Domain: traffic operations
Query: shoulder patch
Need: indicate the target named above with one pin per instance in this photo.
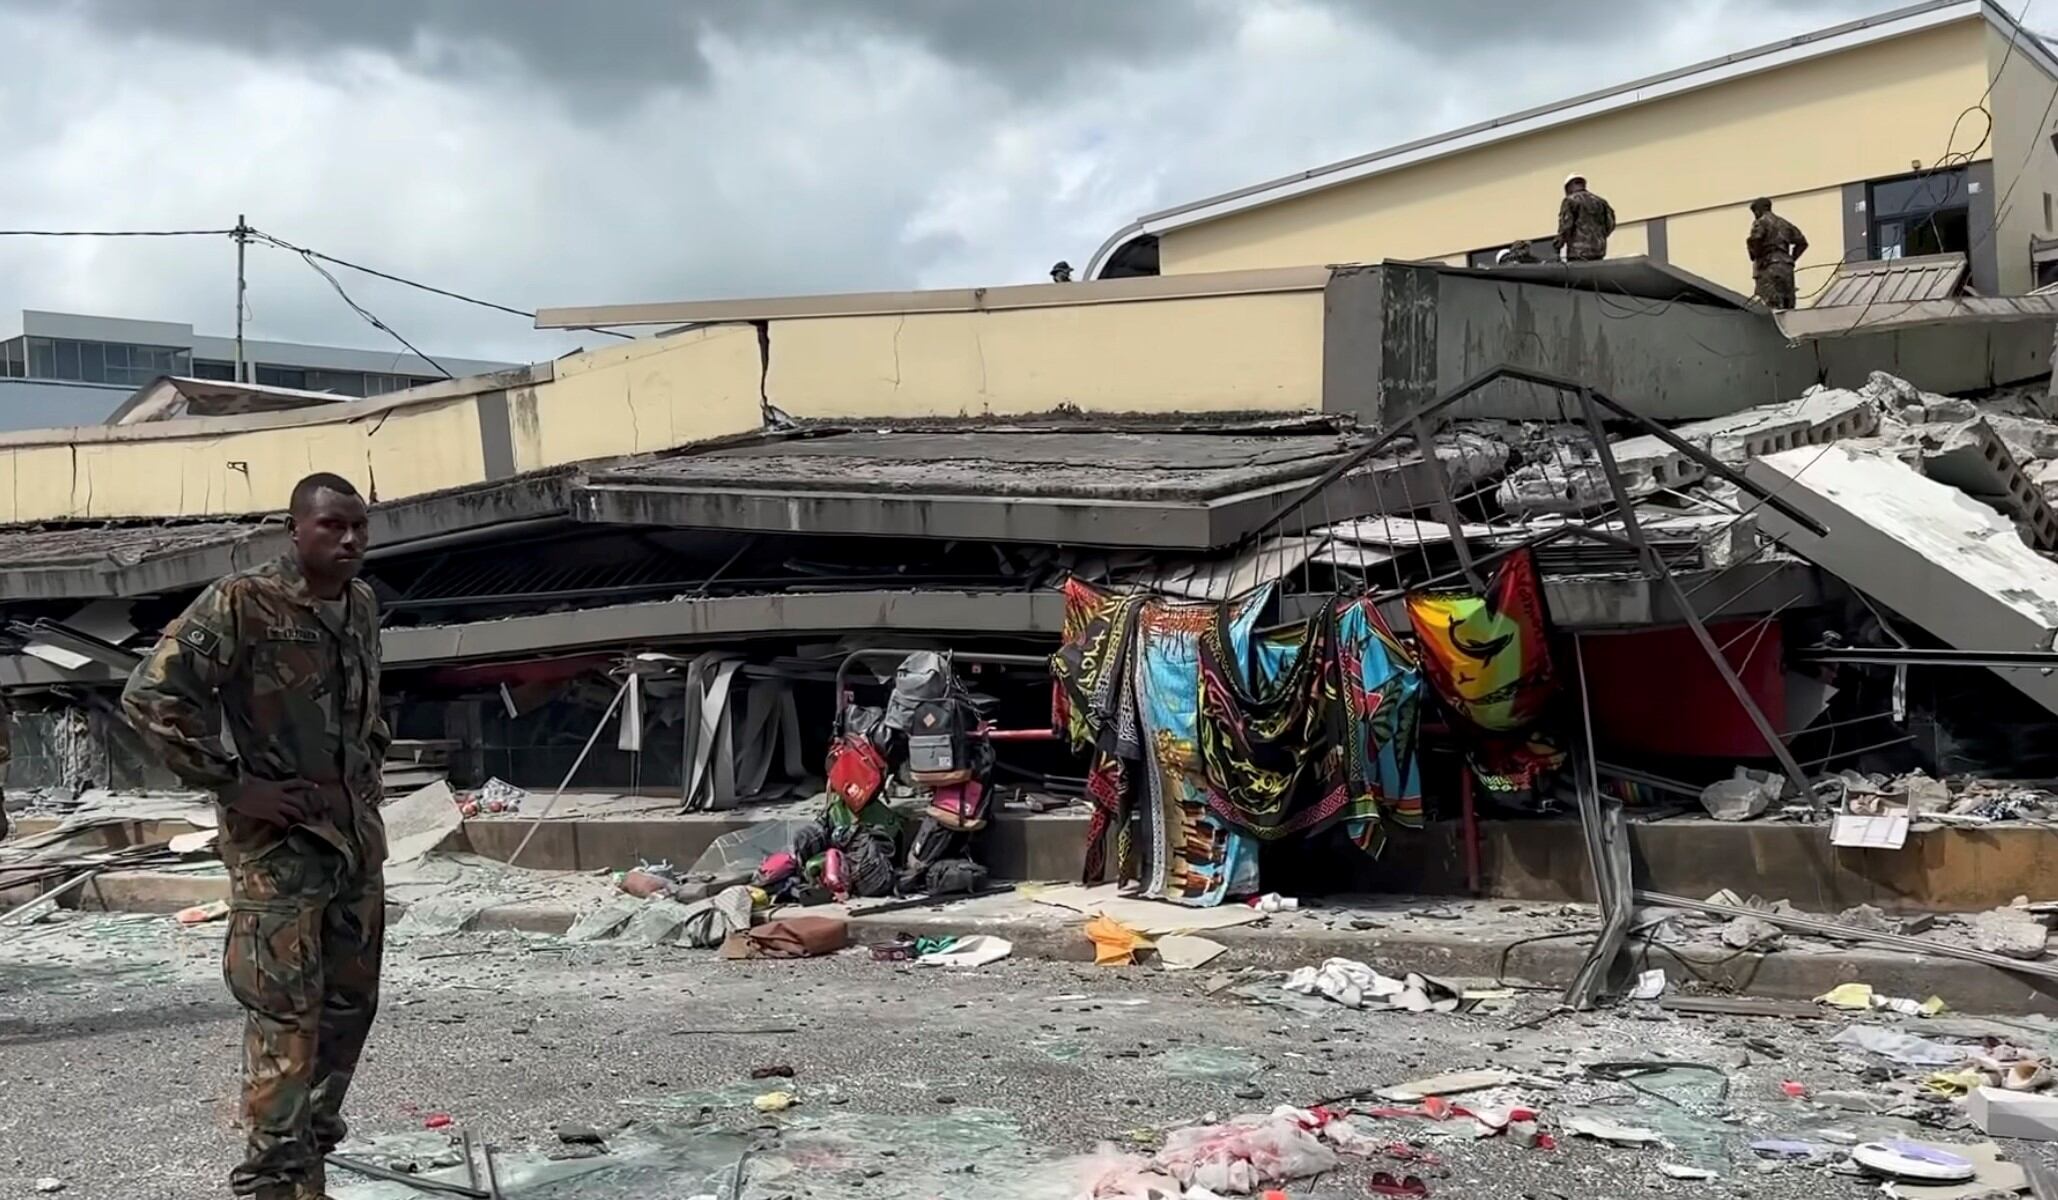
(203, 639)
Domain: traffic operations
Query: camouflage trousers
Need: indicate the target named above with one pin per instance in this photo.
(306, 934)
(1773, 285)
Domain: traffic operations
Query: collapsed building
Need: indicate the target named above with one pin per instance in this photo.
(735, 530)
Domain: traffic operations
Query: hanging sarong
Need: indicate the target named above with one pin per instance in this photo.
(1270, 735)
(1487, 654)
(1093, 699)
(1188, 854)
(1382, 698)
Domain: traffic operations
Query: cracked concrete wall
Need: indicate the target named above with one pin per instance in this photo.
(651, 394)
(1230, 353)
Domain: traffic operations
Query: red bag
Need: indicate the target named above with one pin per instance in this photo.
(856, 770)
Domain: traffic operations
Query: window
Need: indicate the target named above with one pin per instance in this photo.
(287, 377)
(1920, 214)
(209, 368)
(103, 362)
(14, 358)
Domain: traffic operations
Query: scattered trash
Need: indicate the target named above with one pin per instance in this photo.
(1611, 1131)
(1185, 951)
(1248, 1151)
(49, 1183)
(1859, 997)
(773, 1102)
(1901, 1047)
(1353, 984)
(1678, 1171)
(780, 1071)
(1914, 1161)
(976, 951)
(1385, 1184)
(1793, 1089)
(1114, 944)
(200, 914)
(1455, 1084)
(436, 1120)
(1272, 902)
(2000, 1113)
(1649, 986)
(793, 937)
(580, 1135)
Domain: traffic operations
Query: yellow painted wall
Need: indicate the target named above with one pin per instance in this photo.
(2025, 166)
(1258, 351)
(652, 394)
(1710, 243)
(1860, 114)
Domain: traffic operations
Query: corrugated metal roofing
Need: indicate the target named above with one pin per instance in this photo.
(1804, 323)
(1895, 281)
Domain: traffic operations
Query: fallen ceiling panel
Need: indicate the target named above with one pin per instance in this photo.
(1941, 559)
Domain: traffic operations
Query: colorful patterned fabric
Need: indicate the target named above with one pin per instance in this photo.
(1263, 734)
(1488, 656)
(1093, 700)
(1189, 854)
(1382, 697)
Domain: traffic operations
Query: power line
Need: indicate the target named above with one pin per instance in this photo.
(115, 233)
(311, 255)
(369, 316)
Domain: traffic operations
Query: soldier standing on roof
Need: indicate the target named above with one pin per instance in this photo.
(284, 658)
(1584, 222)
(1774, 243)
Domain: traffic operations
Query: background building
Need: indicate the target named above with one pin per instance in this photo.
(60, 369)
(1924, 130)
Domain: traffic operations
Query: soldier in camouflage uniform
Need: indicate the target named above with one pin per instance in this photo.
(1584, 223)
(1774, 243)
(284, 658)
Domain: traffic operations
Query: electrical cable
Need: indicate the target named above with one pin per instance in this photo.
(311, 254)
(371, 317)
(116, 233)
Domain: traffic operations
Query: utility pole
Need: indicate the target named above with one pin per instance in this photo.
(242, 236)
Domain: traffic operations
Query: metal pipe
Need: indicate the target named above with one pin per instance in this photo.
(50, 895)
(576, 764)
(1468, 813)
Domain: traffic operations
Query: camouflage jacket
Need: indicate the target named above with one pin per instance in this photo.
(1774, 241)
(1584, 223)
(295, 689)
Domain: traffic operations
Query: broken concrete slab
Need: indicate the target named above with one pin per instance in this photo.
(1571, 481)
(1941, 559)
(1975, 460)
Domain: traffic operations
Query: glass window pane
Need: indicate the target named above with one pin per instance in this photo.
(1901, 197)
(207, 368)
(181, 362)
(42, 358)
(116, 357)
(68, 360)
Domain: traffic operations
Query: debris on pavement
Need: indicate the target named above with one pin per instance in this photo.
(1114, 944)
(977, 951)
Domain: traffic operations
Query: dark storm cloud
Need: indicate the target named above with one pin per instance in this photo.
(629, 46)
(1496, 27)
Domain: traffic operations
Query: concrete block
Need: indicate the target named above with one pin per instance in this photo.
(2006, 1114)
(1976, 461)
(1950, 564)
(1650, 465)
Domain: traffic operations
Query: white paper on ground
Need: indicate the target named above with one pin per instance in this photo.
(975, 951)
(194, 842)
(1149, 917)
(1184, 951)
(419, 821)
(1650, 985)
(1446, 1085)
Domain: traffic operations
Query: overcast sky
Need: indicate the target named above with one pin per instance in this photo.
(543, 152)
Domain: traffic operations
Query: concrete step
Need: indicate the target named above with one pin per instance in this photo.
(1529, 945)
